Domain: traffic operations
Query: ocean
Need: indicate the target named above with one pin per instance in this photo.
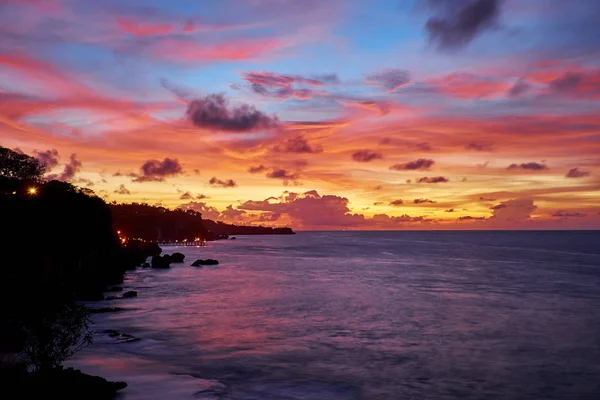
(362, 315)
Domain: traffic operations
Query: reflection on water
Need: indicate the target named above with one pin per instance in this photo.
(364, 315)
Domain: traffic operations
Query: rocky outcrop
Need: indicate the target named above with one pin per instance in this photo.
(161, 262)
(60, 383)
(103, 310)
(200, 262)
(177, 257)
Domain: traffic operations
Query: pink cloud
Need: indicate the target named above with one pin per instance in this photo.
(142, 28)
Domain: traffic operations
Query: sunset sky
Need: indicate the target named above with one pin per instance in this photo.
(337, 114)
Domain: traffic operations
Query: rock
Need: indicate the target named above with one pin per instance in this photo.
(146, 265)
(161, 262)
(114, 289)
(131, 293)
(112, 298)
(103, 310)
(177, 257)
(60, 383)
(209, 261)
(232, 238)
(121, 337)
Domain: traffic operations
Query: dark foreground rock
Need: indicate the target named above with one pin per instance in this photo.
(64, 384)
(103, 310)
(129, 294)
(121, 337)
(114, 289)
(177, 257)
(200, 262)
(161, 262)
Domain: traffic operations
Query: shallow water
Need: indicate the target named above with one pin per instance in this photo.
(363, 315)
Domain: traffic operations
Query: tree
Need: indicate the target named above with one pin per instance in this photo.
(15, 165)
(56, 336)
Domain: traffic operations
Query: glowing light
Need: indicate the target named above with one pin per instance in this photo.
(32, 190)
(118, 232)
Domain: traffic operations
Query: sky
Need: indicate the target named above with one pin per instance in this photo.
(337, 114)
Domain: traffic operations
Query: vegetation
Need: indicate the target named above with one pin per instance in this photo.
(58, 246)
(152, 223)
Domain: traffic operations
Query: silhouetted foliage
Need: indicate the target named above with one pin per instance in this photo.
(146, 222)
(216, 229)
(15, 165)
(56, 336)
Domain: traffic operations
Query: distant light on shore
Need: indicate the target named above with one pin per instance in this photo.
(32, 190)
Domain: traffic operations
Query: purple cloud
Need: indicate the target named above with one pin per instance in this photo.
(433, 179)
(228, 183)
(366, 155)
(214, 112)
(70, 170)
(157, 171)
(530, 166)
(576, 173)
(389, 80)
(423, 201)
(49, 158)
(420, 164)
(297, 144)
(460, 21)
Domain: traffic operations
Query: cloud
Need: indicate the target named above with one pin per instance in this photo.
(396, 203)
(519, 88)
(470, 218)
(565, 214)
(214, 112)
(329, 79)
(568, 82)
(576, 173)
(461, 21)
(366, 155)
(49, 158)
(275, 85)
(232, 214)
(581, 83)
(228, 183)
(202, 196)
(530, 166)
(208, 212)
(269, 217)
(186, 196)
(486, 199)
(142, 28)
(283, 174)
(70, 170)
(422, 201)
(389, 80)
(297, 144)
(465, 85)
(449, 210)
(513, 210)
(478, 147)
(423, 146)
(433, 179)
(257, 169)
(310, 210)
(122, 190)
(157, 171)
(420, 164)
